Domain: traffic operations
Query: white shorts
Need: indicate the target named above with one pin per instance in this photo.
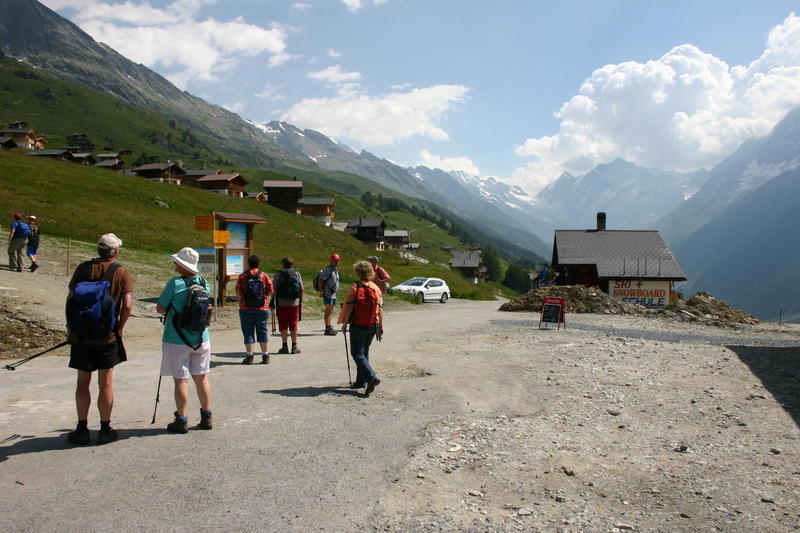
(180, 361)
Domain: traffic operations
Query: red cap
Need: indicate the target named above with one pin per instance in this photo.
(17, 216)
(335, 257)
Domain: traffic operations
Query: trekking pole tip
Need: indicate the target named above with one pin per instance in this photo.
(9, 367)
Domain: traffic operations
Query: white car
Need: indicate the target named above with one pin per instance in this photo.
(425, 289)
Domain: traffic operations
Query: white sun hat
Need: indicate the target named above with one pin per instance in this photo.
(187, 258)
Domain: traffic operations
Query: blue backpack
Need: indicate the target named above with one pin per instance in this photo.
(91, 311)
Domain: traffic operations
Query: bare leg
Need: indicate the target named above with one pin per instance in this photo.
(264, 347)
(203, 391)
(294, 337)
(83, 396)
(105, 397)
(285, 335)
(328, 314)
(181, 395)
(249, 348)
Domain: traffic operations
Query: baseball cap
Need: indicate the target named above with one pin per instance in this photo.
(32, 217)
(17, 216)
(373, 258)
(109, 240)
(335, 257)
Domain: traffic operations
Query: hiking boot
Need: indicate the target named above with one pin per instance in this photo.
(104, 436)
(79, 436)
(34, 266)
(19, 269)
(374, 382)
(265, 359)
(358, 385)
(205, 420)
(177, 425)
(284, 349)
(248, 360)
(295, 349)
(330, 331)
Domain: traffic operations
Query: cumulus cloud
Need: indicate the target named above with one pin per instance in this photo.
(270, 92)
(301, 6)
(448, 164)
(334, 53)
(335, 75)
(682, 111)
(379, 120)
(235, 107)
(355, 5)
(174, 39)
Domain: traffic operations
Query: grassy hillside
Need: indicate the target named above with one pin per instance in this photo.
(83, 202)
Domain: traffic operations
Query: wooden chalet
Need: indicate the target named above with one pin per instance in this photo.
(396, 238)
(284, 194)
(79, 142)
(113, 164)
(22, 137)
(633, 265)
(319, 208)
(368, 230)
(84, 158)
(168, 172)
(468, 263)
(190, 175)
(257, 196)
(224, 184)
(7, 142)
(61, 155)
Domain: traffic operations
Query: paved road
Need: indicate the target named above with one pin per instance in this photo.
(292, 449)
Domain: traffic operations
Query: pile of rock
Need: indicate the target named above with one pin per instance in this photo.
(20, 336)
(702, 307)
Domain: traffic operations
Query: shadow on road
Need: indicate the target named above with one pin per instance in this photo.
(311, 392)
(22, 444)
(779, 370)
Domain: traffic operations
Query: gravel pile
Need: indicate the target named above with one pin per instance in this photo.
(21, 335)
(701, 308)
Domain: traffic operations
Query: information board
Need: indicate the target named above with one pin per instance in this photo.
(234, 265)
(553, 312)
(238, 237)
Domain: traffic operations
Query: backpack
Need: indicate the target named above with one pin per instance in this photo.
(319, 283)
(91, 311)
(254, 290)
(289, 286)
(365, 306)
(195, 314)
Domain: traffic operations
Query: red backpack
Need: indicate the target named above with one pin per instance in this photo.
(365, 306)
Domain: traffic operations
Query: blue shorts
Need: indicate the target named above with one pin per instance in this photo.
(32, 249)
(329, 301)
(254, 320)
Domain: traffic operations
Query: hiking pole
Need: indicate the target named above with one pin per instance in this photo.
(347, 356)
(13, 366)
(158, 393)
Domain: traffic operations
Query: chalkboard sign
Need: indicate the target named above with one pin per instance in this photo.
(553, 312)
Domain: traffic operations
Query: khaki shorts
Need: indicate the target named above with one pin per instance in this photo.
(180, 361)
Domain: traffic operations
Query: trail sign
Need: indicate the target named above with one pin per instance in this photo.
(221, 236)
(553, 312)
(204, 222)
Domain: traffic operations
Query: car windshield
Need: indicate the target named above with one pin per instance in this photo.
(414, 282)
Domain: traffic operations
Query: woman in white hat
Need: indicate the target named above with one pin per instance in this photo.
(186, 352)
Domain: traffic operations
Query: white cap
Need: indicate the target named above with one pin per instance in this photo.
(109, 240)
(187, 258)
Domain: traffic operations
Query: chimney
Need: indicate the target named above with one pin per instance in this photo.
(601, 221)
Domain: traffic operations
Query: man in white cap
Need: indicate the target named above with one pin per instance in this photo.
(94, 347)
(185, 352)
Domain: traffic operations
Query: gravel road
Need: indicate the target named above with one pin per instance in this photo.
(482, 422)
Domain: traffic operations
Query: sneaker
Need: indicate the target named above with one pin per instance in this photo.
(374, 382)
(177, 426)
(248, 360)
(284, 349)
(104, 436)
(265, 359)
(79, 436)
(205, 420)
(295, 349)
(330, 331)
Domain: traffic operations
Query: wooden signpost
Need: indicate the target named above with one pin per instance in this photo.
(553, 312)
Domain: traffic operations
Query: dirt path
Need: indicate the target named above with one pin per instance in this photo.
(482, 423)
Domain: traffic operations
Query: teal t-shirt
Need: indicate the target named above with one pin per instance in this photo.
(176, 293)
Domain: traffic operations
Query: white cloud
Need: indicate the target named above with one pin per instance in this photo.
(381, 120)
(332, 52)
(335, 75)
(301, 6)
(235, 107)
(270, 92)
(174, 39)
(448, 164)
(355, 5)
(682, 111)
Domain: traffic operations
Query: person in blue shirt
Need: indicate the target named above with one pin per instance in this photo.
(185, 353)
(17, 239)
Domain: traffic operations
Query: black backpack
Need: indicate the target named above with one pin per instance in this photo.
(196, 314)
(254, 290)
(289, 286)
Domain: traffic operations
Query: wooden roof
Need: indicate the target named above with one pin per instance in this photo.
(282, 184)
(239, 217)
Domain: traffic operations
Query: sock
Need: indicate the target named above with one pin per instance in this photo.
(105, 426)
(205, 411)
(249, 354)
(264, 353)
(181, 419)
(83, 424)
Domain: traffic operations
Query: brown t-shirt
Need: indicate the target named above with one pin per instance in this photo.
(121, 283)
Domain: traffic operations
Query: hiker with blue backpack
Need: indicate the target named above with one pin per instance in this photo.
(185, 304)
(254, 289)
(17, 239)
(98, 306)
(288, 303)
(362, 313)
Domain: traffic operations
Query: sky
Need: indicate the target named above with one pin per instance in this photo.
(522, 90)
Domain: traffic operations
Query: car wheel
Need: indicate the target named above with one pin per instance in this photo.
(420, 298)
(444, 298)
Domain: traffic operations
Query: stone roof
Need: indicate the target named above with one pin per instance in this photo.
(468, 259)
(618, 253)
(282, 184)
(327, 200)
(395, 233)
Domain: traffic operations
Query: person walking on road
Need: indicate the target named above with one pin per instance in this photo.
(89, 353)
(288, 303)
(362, 312)
(186, 352)
(329, 286)
(254, 289)
(17, 237)
(381, 276)
(33, 242)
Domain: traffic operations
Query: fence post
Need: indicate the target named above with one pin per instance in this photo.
(69, 249)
